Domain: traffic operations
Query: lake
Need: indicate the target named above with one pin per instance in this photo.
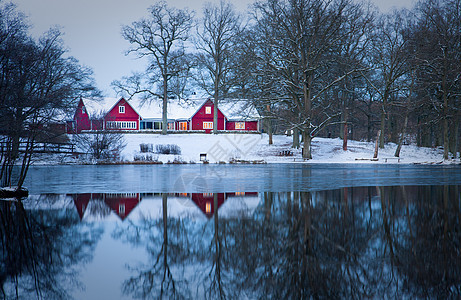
(282, 231)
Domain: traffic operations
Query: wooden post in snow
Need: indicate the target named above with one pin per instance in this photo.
(377, 144)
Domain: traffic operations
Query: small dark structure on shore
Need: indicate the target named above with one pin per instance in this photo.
(13, 192)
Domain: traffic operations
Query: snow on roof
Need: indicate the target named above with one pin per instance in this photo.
(232, 109)
(238, 110)
(146, 109)
(152, 207)
(236, 206)
(96, 108)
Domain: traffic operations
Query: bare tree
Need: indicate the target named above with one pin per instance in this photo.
(38, 82)
(101, 145)
(160, 37)
(305, 35)
(436, 35)
(391, 61)
(216, 43)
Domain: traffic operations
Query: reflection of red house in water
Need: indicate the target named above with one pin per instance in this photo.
(205, 201)
(121, 204)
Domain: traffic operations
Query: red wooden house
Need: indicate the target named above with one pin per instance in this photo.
(202, 119)
(122, 116)
(231, 117)
(134, 115)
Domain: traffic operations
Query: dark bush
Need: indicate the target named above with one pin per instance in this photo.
(168, 149)
(146, 148)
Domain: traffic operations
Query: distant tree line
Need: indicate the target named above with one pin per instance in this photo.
(38, 83)
(314, 67)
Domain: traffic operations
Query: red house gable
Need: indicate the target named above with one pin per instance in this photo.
(122, 204)
(81, 118)
(122, 116)
(81, 203)
(205, 202)
(203, 118)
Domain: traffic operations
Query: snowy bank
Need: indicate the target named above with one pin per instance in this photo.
(254, 147)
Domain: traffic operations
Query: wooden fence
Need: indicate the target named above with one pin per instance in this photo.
(44, 147)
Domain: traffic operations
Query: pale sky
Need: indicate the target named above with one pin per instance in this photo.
(92, 29)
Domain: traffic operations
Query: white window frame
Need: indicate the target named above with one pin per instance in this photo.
(121, 124)
(208, 110)
(121, 109)
(207, 125)
(239, 125)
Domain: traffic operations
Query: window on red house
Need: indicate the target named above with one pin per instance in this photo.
(208, 110)
(121, 109)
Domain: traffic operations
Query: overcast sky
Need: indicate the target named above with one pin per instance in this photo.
(92, 29)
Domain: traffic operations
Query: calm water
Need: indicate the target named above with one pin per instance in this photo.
(238, 232)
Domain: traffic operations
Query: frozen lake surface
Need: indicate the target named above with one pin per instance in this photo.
(230, 178)
(285, 231)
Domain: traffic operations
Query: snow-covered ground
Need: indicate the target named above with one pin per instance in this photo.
(255, 147)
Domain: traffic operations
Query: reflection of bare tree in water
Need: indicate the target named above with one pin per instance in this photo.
(385, 242)
(158, 278)
(98, 208)
(217, 288)
(298, 250)
(41, 251)
(427, 247)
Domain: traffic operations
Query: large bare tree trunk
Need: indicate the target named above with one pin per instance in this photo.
(457, 134)
(307, 145)
(382, 127)
(215, 116)
(402, 136)
(164, 107)
(446, 142)
(269, 130)
(269, 125)
(296, 138)
(377, 145)
(345, 136)
(215, 110)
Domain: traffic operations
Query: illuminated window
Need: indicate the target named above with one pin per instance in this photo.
(207, 125)
(182, 125)
(239, 125)
(170, 126)
(208, 207)
(240, 194)
(208, 110)
(121, 109)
